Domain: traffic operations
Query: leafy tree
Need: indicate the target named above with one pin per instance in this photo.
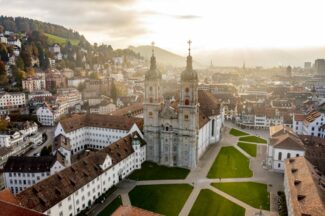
(2, 68)
(114, 92)
(3, 124)
(26, 55)
(3, 53)
(94, 75)
(20, 63)
(46, 151)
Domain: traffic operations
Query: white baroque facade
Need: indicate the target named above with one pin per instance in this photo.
(178, 133)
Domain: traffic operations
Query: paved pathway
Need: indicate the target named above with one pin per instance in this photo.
(197, 177)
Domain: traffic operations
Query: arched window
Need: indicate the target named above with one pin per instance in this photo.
(187, 90)
(167, 128)
(150, 88)
(288, 155)
(187, 102)
(150, 100)
(280, 156)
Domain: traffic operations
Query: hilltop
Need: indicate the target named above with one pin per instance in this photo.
(163, 56)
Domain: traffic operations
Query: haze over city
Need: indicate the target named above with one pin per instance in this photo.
(162, 107)
(212, 25)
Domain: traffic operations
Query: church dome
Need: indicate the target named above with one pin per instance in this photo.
(189, 74)
(153, 73)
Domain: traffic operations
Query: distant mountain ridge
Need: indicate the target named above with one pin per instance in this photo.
(163, 56)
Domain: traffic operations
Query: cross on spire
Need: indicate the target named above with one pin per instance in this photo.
(189, 47)
(153, 48)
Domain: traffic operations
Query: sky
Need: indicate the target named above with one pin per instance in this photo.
(210, 24)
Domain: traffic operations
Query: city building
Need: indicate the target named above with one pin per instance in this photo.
(310, 124)
(179, 133)
(40, 94)
(11, 101)
(47, 114)
(283, 144)
(21, 172)
(96, 131)
(54, 80)
(31, 84)
(320, 66)
(74, 188)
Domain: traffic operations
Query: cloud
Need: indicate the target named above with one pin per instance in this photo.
(187, 17)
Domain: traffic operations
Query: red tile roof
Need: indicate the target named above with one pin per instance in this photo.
(9, 209)
(50, 191)
(77, 121)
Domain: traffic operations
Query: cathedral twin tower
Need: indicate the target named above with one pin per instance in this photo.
(172, 132)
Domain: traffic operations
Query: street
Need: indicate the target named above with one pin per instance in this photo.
(50, 136)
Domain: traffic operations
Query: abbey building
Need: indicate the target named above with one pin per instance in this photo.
(178, 133)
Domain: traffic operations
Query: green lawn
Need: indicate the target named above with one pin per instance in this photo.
(249, 148)
(236, 132)
(163, 199)
(52, 39)
(117, 202)
(252, 193)
(209, 203)
(152, 171)
(254, 139)
(230, 163)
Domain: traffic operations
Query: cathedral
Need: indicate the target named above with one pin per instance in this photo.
(179, 132)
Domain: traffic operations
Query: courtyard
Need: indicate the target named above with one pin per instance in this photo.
(229, 180)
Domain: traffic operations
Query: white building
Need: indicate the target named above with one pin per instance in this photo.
(11, 100)
(56, 51)
(47, 115)
(42, 93)
(312, 124)
(95, 131)
(21, 172)
(15, 42)
(75, 82)
(10, 138)
(73, 189)
(3, 40)
(284, 144)
(31, 84)
(68, 97)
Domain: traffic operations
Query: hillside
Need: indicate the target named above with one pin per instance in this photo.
(52, 39)
(163, 56)
(56, 32)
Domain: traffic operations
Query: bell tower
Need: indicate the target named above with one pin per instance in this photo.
(188, 114)
(152, 106)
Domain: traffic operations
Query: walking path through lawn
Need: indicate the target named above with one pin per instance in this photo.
(198, 177)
